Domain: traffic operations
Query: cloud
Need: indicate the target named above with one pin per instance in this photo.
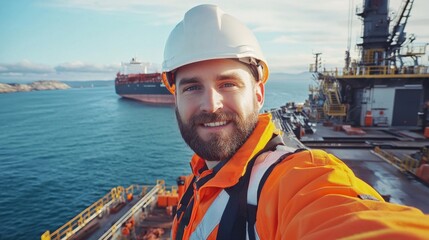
(25, 67)
(284, 40)
(80, 67)
(28, 67)
(300, 27)
(306, 24)
(77, 70)
(290, 63)
(166, 12)
(273, 16)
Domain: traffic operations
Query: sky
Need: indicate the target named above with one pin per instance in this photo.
(88, 39)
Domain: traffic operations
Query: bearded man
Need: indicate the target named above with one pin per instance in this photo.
(245, 184)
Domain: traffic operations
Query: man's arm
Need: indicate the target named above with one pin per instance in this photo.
(314, 195)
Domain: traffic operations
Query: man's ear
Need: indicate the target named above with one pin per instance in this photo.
(260, 93)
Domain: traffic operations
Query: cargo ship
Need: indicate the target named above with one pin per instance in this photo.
(367, 114)
(134, 82)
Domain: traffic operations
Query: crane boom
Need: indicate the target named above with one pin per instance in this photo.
(397, 36)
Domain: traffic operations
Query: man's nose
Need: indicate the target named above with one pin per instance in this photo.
(212, 101)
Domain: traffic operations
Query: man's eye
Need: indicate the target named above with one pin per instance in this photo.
(191, 88)
(228, 85)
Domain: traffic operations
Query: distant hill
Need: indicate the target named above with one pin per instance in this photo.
(35, 86)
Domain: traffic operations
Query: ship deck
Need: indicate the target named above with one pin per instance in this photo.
(108, 220)
(156, 220)
(145, 215)
(155, 224)
(357, 151)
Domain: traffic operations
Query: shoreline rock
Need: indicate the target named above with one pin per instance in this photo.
(34, 86)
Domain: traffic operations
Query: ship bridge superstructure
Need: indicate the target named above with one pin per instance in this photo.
(387, 82)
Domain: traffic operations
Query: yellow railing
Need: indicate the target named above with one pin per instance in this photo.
(146, 200)
(333, 106)
(410, 164)
(390, 157)
(370, 55)
(405, 163)
(334, 110)
(96, 209)
(379, 71)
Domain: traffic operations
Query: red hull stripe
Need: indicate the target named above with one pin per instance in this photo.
(153, 98)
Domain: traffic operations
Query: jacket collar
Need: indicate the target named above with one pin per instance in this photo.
(232, 170)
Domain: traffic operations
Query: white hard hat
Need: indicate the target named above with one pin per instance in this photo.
(206, 33)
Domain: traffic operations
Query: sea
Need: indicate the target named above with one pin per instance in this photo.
(62, 150)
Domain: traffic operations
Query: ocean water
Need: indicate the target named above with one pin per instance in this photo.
(60, 151)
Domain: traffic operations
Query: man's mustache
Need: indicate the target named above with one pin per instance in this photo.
(213, 117)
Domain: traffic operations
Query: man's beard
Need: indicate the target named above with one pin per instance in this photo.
(220, 146)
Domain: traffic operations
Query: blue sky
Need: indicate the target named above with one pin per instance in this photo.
(88, 39)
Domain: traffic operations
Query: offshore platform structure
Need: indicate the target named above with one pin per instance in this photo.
(387, 86)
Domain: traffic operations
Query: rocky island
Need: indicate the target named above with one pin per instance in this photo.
(35, 86)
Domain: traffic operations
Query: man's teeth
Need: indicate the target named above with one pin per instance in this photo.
(214, 124)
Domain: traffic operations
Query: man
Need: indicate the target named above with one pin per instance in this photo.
(244, 185)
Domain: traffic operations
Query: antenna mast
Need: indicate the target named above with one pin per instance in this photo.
(349, 34)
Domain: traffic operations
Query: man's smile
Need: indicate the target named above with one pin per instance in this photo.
(215, 124)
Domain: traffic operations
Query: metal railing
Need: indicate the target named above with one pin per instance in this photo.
(404, 163)
(335, 110)
(333, 106)
(379, 71)
(96, 209)
(142, 203)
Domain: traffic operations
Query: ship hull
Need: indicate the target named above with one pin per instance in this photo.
(141, 89)
(152, 98)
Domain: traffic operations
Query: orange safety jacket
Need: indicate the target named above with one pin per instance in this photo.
(308, 195)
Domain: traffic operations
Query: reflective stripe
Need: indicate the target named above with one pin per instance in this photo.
(256, 233)
(212, 217)
(258, 170)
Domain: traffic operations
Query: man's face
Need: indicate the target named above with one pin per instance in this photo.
(217, 106)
